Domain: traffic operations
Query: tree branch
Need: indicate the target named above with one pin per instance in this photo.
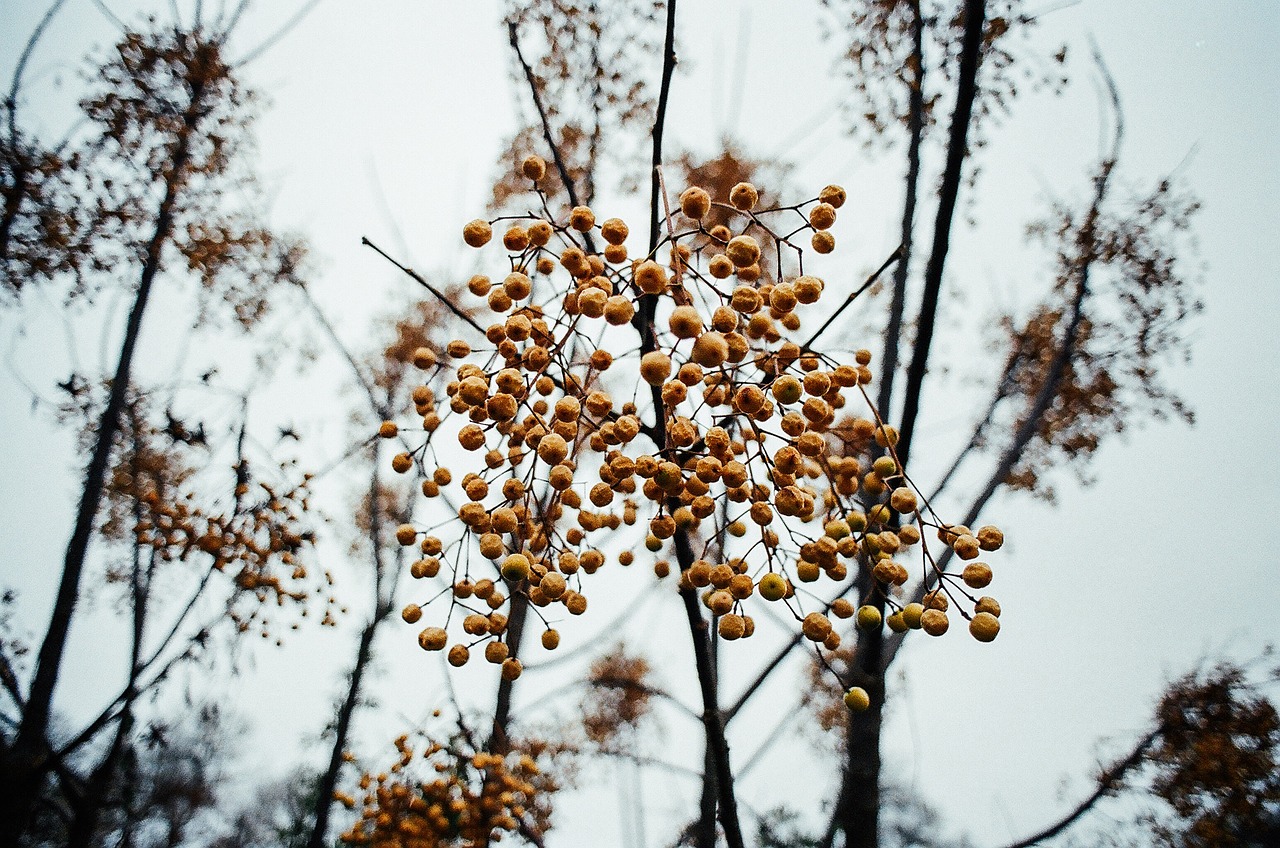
(915, 132)
(1087, 242)
(957, 152)
(1107, 782)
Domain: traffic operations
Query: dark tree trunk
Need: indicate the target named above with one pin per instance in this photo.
(957, 152)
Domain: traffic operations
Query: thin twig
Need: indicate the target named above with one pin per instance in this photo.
(514, 34)
(893, 257)
(271, 40)
(1107, 782)
(444, 299)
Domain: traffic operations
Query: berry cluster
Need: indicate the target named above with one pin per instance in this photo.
(674, 396)
(474, 797)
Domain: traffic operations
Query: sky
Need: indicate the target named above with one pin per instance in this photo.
(385, 121)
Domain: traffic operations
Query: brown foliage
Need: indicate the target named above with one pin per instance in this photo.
(619, 697)
(1216, 762)
(1137, 295)
(882, 70)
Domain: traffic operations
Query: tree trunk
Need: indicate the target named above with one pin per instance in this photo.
(915, 130)
(957, 152)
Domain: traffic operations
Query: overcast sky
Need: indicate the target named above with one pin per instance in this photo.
(386, 119)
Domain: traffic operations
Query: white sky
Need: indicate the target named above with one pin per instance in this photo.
(1165, 562)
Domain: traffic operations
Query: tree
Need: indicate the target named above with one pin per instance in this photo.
(595, 81)
(1079, 365)
(136, 199)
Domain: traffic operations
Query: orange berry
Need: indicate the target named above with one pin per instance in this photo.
(815, 626)
(650, 277)
(833, 195)
(744, 196)
(477, 233)
(977, 575)
(534, 167)
(511, 669)
(743, 251)
(822, 216)
(582, 218)
(614, 230)
(695, 202)
(987, 604)
(685, 322)
(655, 368)
(934, 622)
(433, 639)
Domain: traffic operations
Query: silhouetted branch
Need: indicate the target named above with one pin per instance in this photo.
(957, 152)
(1107, 782)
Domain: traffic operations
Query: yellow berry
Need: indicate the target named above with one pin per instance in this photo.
(772, 587)
(869, 618)
(857, 699)
(515, 567)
